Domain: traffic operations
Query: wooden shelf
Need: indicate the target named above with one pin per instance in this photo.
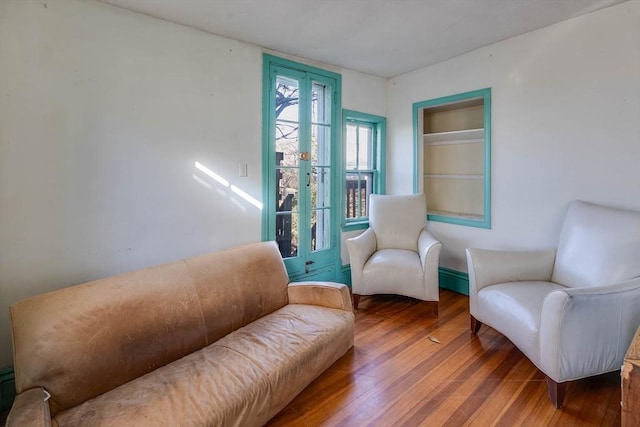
(460, 215)
(452, 176)
(467, 136)
(454, 156)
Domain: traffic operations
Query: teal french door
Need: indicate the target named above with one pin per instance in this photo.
(301, 124)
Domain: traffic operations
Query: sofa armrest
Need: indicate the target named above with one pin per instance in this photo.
(490, 267)
(360, 250)
(30, 409)
(603, 319)
(325, 294)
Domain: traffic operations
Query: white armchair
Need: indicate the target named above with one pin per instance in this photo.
(572, 312)
(396, 254)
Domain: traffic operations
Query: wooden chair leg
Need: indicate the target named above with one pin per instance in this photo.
(356, 300)
(432, 308)
(474, 324)
(556, 392)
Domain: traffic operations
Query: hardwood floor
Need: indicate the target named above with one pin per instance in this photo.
(396, 376)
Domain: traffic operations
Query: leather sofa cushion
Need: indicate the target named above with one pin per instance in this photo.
(243, 379)
(514, 309)
(294, 345)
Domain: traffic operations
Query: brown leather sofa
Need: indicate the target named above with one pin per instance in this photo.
(218, 340)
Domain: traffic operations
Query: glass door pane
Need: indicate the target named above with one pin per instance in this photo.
(287, 168)
(320, 167)
(320, 208)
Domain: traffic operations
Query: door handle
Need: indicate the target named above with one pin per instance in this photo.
(306, 266)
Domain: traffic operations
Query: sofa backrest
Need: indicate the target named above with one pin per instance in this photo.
(238, 286)
(598, 246)
(82, 341)
(397, 220)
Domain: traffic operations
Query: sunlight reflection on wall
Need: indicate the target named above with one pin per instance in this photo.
(225, 183)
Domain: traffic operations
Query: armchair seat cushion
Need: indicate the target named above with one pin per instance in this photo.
(514, 308)
(394, 266)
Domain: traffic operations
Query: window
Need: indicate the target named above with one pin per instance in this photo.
(364, 151)
(453, 157)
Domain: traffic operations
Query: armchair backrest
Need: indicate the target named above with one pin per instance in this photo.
(397, 220)
(598, 246)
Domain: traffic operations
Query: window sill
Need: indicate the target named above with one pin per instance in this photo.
(356, 225)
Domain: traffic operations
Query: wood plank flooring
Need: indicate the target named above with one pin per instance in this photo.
(396, 376)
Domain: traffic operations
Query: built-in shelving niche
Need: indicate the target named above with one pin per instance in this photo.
(453, 156)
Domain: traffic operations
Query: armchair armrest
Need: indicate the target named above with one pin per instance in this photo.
(603, 319)
(429, 250)
(489, 267)
(360, 250)
(428, 246)
(30, 409)
(325, 294)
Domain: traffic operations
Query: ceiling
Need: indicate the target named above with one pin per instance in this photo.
(380, 37)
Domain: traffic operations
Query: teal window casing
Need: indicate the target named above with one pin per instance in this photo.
(376, 168)
(484, 220)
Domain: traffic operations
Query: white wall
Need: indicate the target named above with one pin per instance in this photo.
(103, 114)
(565, 125)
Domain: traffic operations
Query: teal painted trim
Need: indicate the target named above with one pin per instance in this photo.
(480, 93)
(326, 274)
(417, 140)
(453, 280)
(487, 159)
(485, 94)
(363, 117)
(353, 226)
(380, 154)
(455, 220)
(267, 88)
(7, 388)
(337, 167)
(298, 66)
(346, 275)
